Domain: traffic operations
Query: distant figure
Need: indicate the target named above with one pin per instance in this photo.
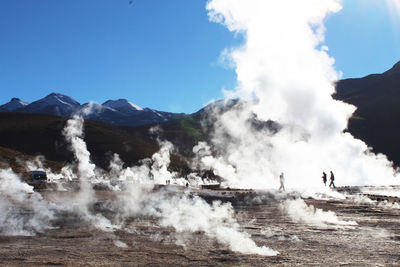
(282, 182)
(187, 185)
(324, 178)
(332, 184)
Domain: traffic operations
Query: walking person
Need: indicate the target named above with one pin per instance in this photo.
(324, 178)
(332, 179)
(282, 182)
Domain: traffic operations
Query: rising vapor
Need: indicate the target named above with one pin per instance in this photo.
(285, 75)
(394, 7)
(184, 212)
(285, 71)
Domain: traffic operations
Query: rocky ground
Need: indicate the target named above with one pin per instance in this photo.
(375, 241)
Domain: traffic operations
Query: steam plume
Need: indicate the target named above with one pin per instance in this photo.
(22, 211)
(73, 134)
(299, 211)
(284, 65)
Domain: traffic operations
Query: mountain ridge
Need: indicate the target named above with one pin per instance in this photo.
(376, 120)
(15, 103)
(119, 112)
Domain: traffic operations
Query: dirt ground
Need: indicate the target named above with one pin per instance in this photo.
(375, 241)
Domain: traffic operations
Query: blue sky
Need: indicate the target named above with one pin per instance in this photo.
(156, 53)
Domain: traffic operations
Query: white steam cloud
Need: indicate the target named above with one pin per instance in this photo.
(299, 211)
(22, 211)
(284, 66)
(287, 77)
(190, 214)
(184, 212)
(216, 220)
(73, 134)
(394, 9)
(161, 161)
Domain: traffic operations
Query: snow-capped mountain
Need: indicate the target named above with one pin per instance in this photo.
(14, 104)
(122, 105)
(219, 106)
(53, 104)
(116, 112)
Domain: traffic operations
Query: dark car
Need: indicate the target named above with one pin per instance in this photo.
(38, 177)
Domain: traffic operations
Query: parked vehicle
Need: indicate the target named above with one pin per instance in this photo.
(37, 179)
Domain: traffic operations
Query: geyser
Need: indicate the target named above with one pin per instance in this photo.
(287, 75)
(184, 212)
(284, 66)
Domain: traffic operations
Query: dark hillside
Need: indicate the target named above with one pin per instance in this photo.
(36, 134)
(377, 118)
(184, 133)
(10, 158)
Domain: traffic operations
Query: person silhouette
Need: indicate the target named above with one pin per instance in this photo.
(282, 182)
(324, 178)
(332, 181)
